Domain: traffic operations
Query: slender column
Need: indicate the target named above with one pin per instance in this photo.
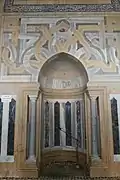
(94, 128)
(4, 137)
(32, 132)
(62, 125)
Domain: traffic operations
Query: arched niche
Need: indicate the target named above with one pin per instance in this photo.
(63, 72)
(63, 120)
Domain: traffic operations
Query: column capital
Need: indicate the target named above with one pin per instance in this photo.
(93, 97)
(7, 98)
(33, 97)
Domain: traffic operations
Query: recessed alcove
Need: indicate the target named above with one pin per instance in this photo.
(63, 81)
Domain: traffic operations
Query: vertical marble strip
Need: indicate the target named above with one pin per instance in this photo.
(42, 123)
(51, 124)
(53, 130)
(78, 120)
(62, 125)
(4, 137)
(11, 127)
(32, 134)
(98, 126)
(76, 123)
(73, 124)
(94, 135)
(1, 116)
(28, 127)
(57, 124)
(68, 123)
(118, 110)
(82, 124)
(115, 115)
(46, 124)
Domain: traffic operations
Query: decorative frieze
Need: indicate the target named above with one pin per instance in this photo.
(113, 6)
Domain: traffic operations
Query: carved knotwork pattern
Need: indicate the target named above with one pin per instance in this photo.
(25, 51)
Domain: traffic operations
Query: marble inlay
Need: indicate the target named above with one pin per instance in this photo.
(115, 111)
(46, 124)
(1, 113)
(57, 124)
(78, 111)
(113, 6)
(11, 126)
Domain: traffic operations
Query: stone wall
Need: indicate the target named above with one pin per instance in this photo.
(32, 35)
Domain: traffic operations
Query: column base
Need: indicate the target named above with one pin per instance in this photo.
(31, 159)
(95, 158)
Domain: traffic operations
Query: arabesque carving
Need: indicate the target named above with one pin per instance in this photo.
(26, 47)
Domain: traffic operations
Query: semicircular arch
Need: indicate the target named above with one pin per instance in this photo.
(63, 71)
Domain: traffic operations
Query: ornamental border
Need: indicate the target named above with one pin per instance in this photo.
(10, 7)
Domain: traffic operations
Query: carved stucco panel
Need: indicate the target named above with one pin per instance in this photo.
(27, 47)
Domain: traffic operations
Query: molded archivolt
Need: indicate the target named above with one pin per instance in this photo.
(63, 71)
